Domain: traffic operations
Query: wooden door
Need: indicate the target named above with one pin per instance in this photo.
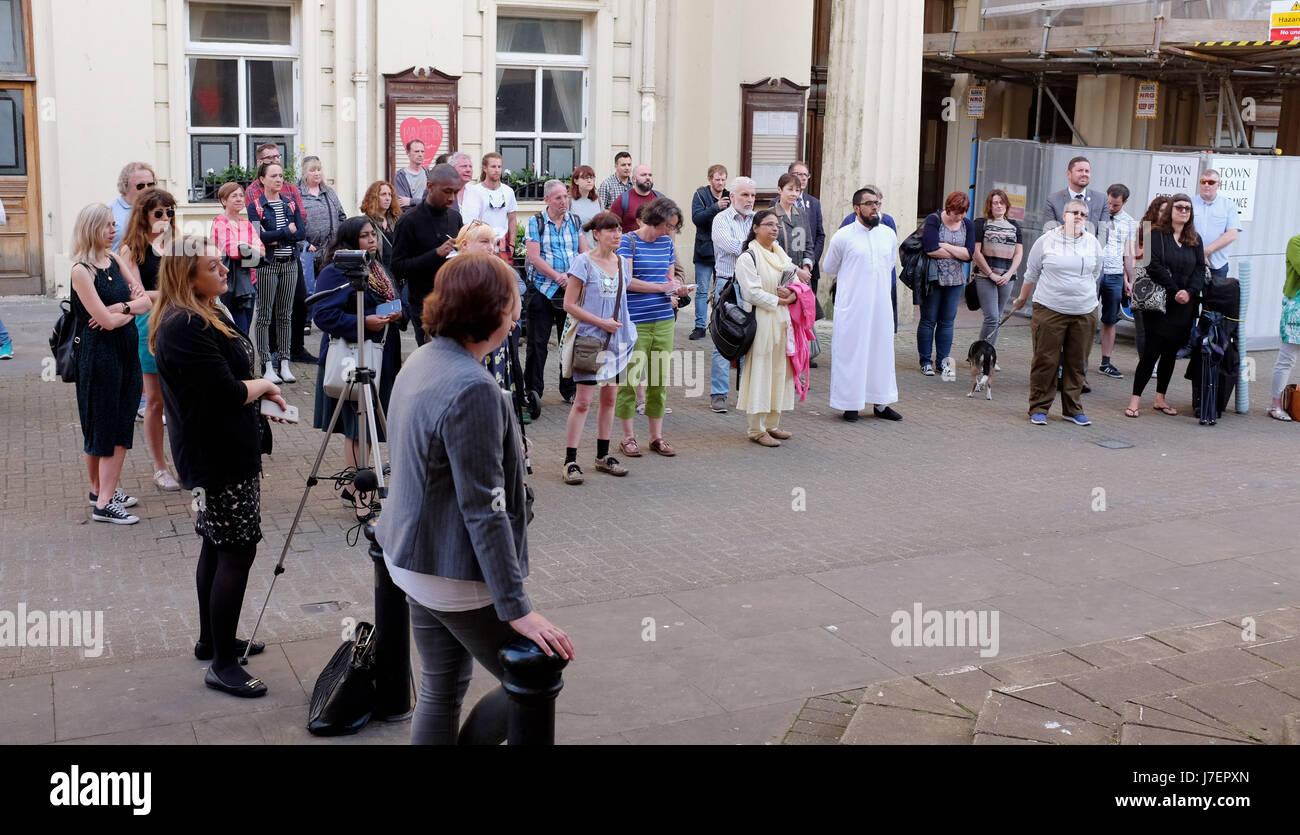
(20, 237)
(21, 262)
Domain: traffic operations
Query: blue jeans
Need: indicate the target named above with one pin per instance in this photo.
(720, 378)
(1112, 291)
(1219, 272)
(703, 278)
(4, 333)
(938, 310)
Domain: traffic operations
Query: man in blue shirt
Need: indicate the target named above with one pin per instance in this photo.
(554, 238)
(1216, 221)
(135, 178)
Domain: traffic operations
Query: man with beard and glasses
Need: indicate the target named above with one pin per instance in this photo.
(861, 257)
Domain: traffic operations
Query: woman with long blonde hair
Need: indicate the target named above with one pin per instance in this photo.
(208, 371)
(150, 228)
(108, 366)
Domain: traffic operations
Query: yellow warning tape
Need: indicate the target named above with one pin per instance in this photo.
(1248, 43)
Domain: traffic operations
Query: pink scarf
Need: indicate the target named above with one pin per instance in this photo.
(802, 314)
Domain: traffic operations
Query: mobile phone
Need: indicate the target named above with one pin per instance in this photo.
(272, 409)
(690, 287)
(389, 308)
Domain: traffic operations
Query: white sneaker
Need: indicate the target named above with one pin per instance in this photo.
(947, 370)
(271, 375)
(285, 374)
(997, 367)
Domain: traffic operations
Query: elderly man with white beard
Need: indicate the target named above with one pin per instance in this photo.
(861, 257)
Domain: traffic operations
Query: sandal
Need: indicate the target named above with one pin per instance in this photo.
(1277, 413)
(1131, 412)
(662, 447)
(629, 447)
(1167, 409)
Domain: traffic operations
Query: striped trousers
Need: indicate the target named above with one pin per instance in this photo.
(275, 286)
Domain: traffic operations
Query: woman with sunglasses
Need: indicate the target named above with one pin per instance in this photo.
(148, 234)
(1178, 265)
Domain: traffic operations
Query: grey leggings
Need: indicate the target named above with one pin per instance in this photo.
(449, 643)
(276, 281)
(1286, 357)
(992, 301)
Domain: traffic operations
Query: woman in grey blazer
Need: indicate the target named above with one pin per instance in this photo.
(454, 529)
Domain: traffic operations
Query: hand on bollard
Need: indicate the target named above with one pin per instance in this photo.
(545, 634)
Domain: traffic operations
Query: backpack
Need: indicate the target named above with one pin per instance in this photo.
(624, 202)
(731, 327)
(63, 342)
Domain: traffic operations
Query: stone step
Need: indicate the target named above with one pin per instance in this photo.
(1244, 710)
(1048, 713)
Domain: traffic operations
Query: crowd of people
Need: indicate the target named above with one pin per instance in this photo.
(178, 330)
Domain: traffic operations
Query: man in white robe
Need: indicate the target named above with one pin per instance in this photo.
(861, 256)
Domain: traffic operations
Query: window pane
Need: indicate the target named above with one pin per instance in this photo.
(270, 94)
(13, 49)
(214, 93)
(550, 37)
(560, 156)
(562, 101)
(516, 154)
(13, 146)
(239, 23)
(212, 153)
(516, 100)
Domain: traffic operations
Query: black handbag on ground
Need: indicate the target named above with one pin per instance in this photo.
(344, 696)
(64, 340)
(731, 327)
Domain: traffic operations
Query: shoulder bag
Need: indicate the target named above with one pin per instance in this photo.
(583, 353)
(344, 696)
(343, 357)
(64, 340)
(731, 326)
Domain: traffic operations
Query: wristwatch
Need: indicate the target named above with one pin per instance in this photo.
(126, 308)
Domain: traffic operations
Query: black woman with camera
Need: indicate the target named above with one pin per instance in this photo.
(212, 396)
(335, 315)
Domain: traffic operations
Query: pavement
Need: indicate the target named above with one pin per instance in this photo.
(709, 596)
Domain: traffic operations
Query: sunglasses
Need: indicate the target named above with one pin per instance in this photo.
(1209, 182)
(158, 213)
(1182, 207)
(143, 186)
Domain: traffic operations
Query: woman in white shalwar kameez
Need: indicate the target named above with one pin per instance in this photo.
(766, 382)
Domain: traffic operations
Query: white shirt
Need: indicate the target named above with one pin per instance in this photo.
(493, 207)
(1068, 269)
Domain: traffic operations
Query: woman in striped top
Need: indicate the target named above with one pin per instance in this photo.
(281, 226)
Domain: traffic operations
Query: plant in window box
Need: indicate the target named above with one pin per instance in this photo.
(527, 184)
(213, 180)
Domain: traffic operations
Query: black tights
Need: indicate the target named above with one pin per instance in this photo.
(1160, 348)
(222, 577)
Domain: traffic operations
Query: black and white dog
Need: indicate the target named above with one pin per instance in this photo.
(983, 358)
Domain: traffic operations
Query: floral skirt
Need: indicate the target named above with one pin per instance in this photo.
(231, 515)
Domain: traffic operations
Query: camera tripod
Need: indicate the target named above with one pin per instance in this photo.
(362, 388)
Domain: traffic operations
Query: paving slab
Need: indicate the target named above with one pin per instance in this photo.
(1202, 636)
(162, 691)
(1277, 623)
(1116, 685)
(1216, 665)
(968, 686)
(913, 694)
(1211, 587)
(619, 628)
(1043, 667)
(1005, 714)
(28, 715)
(1283, 562)
(288, 726)
(1169, 713)
(1079, 559)
(625, 694)
(1056, 696)
(1192, 541)
(1122, 651)
(1249, 705)
(765, 607)
(1285, 652)
(1142, 735)
(766, 724)
(994, 739)
(879, 725)
(772, 668)
(182, 733)
(936, 582)
(1095, 611)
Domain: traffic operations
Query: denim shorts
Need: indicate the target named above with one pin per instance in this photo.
(1112, 292)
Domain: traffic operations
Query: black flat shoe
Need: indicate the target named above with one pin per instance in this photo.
(851, 416)
(886, 413)
(249, 689)
(204, 652)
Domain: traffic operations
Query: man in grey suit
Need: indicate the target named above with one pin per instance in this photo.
(1079, 174)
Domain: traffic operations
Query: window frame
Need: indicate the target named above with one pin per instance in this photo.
(241, 54)
(538, 63)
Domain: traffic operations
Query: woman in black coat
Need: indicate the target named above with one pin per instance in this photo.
(1177, 265)
(336, 316)
(211, 394)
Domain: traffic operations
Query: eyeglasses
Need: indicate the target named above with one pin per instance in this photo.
(1209, 182)
(273, 158)
(868, 203)
(1183, 207)
(1077, 212)
(143, 186)
(158, 213)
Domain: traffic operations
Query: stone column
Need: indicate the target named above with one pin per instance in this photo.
(873, 113)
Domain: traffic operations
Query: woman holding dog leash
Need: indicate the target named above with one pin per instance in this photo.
(1061, 274)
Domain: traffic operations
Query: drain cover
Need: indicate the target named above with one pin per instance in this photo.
(1113, 444)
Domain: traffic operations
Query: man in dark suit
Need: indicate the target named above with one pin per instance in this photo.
(813, 207)
(1078, 174)
(424, 237)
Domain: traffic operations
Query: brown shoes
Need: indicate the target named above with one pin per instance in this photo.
(765, 440)
(779, 434)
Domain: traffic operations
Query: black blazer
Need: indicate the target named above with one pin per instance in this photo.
(216, 438)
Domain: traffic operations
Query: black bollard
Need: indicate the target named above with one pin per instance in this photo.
(532, 680)
(393, 631)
